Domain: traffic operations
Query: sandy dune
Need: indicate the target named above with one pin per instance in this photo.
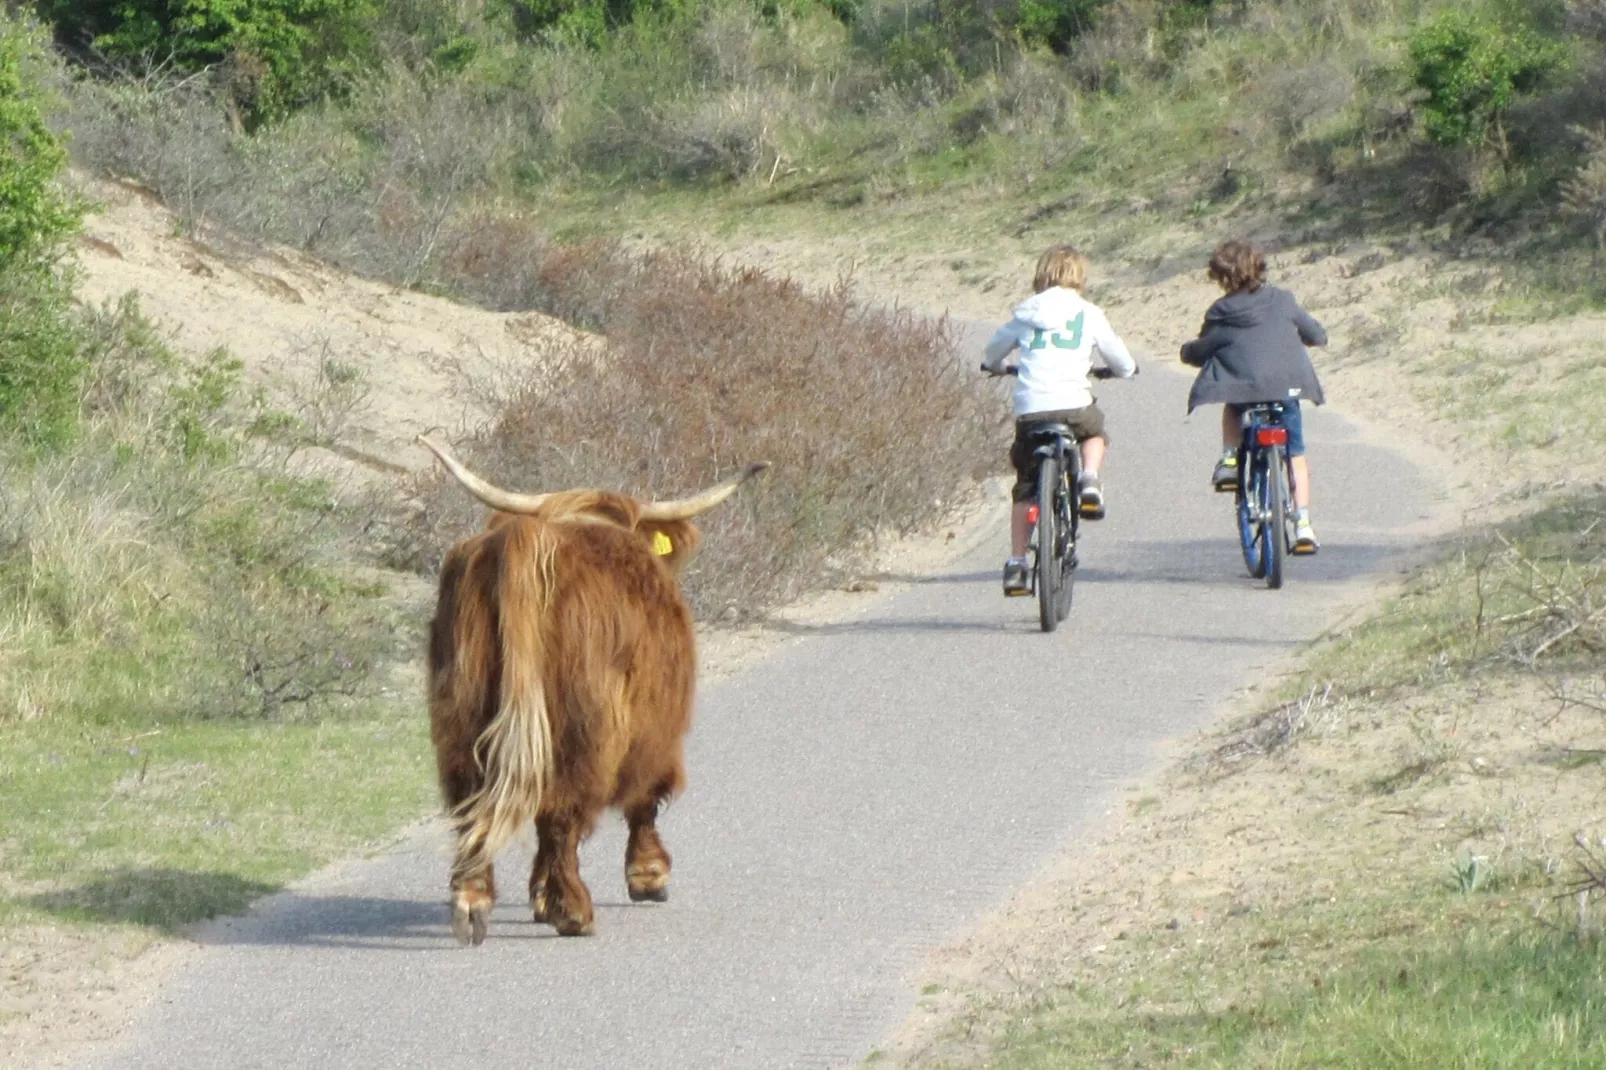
(281, 312)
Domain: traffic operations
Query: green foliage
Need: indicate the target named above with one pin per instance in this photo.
(1055, 23)
(589, 21)
(40, 368)
(35, 216)
(1473, 69)
(280, 53)
(41, 364)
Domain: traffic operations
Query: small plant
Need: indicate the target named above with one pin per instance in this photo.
(1469, 872)
(1473, 70)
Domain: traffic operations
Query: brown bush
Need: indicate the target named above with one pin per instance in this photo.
(864, 412)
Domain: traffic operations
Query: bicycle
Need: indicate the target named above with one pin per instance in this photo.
(1054, 514)
(1265, 521)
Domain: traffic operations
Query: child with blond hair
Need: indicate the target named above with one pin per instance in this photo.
(1053, 335)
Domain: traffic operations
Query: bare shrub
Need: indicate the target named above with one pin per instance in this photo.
(863, 411)
(1584, 195)
(1301, 98)
(167, 132)
(731, 136)
(1587, 18)
(1551, 608)
(1122, 47)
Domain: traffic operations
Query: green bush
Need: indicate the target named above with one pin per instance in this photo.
(39, 365)
(1473, 69)
(280, 53)
(1056, 23)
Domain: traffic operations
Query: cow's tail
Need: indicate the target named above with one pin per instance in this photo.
(514, 752)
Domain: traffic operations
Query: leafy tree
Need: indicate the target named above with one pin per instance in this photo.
(40, 363)
(284, 52)
(1473, 69)
(35, 215)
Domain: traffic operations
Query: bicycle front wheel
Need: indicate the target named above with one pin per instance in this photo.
(1049, 573)
(1249, 520)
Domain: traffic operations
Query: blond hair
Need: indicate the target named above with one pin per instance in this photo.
(1062, 265)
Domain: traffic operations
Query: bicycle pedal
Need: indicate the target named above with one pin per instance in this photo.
(1092, 512)
(1022, 593)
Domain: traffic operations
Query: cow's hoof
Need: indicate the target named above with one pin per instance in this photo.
(574, 927)
(648, 882)
(652, 894)
(470, 923)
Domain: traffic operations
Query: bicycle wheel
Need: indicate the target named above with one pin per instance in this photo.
(1065, 535)
(1049, 572)
(1274, 517)
(1249, 522)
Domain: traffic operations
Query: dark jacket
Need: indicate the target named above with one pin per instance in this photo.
(1252, 348)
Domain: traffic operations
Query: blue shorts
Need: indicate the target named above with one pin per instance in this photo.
(1292, 419)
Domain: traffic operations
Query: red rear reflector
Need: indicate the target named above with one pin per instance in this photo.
(1032, 513)
(1271, 436)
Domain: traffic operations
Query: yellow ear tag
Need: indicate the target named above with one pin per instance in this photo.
(661, 544)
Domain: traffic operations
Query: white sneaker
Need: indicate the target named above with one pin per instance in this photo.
(1305, 537)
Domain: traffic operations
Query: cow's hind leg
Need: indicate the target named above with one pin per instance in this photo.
(472, 900)
(647, 860)
(567, 900)
(473, 891)
(541, 877)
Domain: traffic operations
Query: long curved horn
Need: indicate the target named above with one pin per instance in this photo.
(497, 498)
(686, 508)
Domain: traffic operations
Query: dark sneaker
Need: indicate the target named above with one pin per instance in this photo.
(1091, 498)
(1305, 539)
(1015, 581)
(1225, 477)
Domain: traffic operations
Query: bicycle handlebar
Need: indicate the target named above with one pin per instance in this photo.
(1097, 373)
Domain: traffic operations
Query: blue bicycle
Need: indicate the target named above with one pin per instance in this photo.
(1265, 520)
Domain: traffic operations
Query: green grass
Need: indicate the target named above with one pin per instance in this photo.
(1495, 596)
(165, 825)
(1480, 998)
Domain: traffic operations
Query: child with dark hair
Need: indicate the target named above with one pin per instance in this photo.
(1251, 350)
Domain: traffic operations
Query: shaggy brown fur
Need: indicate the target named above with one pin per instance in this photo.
(561, 666)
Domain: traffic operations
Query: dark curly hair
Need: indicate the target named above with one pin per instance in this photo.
(1238, 265)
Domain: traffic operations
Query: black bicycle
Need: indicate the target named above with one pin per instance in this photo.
(1054, 513)
(1265, 520)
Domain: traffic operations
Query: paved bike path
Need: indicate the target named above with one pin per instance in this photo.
(856, 798)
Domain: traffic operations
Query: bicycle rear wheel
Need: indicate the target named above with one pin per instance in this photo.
(1274, 516)
(1065, 534)
(1049, 572)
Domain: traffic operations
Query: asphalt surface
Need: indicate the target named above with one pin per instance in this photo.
(857, 798)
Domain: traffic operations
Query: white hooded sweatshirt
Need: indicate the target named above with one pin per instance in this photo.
(1055, 333)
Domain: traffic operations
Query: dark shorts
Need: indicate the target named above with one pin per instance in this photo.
(1084, 424)
(1293, 420)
